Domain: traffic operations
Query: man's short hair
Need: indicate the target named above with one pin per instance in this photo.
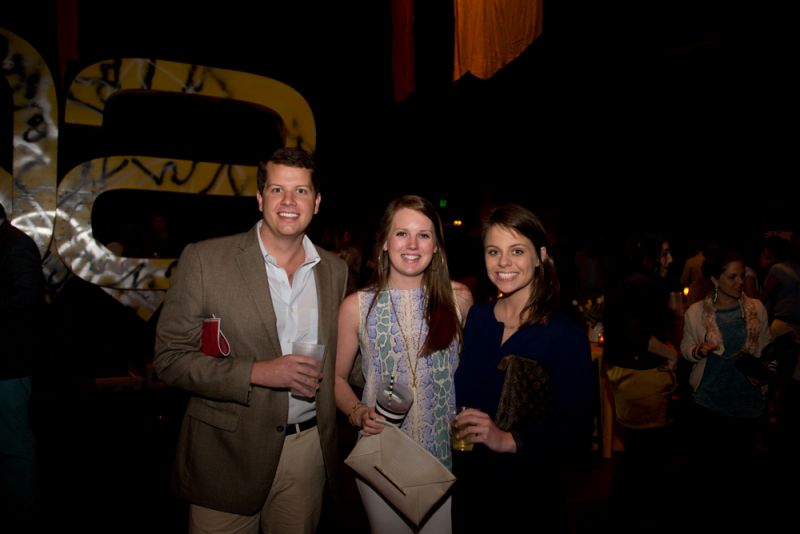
(291, 157)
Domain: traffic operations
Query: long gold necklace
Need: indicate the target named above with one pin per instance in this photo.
(412, 363)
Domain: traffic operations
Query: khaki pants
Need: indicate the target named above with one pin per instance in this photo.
(294, 502)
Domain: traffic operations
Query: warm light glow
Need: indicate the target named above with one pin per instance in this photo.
(685, 291)
(457, 222)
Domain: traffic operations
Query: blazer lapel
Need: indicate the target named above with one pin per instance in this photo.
(254, 272)
(326, 299)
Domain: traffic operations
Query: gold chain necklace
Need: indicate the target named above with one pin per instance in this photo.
(412, 364)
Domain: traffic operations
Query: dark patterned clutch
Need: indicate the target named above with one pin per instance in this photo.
(525, 396)
(755, 370)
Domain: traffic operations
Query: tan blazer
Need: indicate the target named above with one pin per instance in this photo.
(232, 434)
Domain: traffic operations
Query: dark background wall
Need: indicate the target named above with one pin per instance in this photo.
(666, 103)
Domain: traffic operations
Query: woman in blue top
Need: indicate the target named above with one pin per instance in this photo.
(526, 322)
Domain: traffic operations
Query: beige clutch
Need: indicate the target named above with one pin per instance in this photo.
(402, 471)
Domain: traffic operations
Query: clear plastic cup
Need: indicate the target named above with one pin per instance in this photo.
(315, 350)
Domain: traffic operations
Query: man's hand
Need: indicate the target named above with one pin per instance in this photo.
(300, 374)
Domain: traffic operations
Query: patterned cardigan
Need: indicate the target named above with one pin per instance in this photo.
(700, 324)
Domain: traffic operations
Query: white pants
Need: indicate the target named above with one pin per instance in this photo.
(383, 519)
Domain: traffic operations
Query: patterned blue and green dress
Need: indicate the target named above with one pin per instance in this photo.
(391, 335)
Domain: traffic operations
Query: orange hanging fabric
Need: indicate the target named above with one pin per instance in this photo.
(491, 33)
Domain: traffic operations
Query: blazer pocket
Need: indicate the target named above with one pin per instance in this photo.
(220, 415)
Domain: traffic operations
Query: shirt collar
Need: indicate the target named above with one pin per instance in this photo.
(311, 254)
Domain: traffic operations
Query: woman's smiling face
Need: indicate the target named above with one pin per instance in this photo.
(411, 243)
(511, 260)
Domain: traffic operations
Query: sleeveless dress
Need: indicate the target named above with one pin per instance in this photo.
(397, 320)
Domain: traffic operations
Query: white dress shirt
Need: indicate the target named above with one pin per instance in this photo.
(296, 310)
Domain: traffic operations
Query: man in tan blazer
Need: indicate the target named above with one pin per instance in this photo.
(258, 439)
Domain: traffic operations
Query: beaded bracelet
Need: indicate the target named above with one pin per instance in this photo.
(353, 410)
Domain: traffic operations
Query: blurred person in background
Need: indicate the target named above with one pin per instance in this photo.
(722, 333)
(640, 359)
(21, 307)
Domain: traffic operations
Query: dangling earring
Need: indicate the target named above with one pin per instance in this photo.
(716, 294)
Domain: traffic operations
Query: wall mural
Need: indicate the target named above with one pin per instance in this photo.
(58, 215)
(29, 192)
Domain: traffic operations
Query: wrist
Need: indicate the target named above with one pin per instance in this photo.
(355, 413)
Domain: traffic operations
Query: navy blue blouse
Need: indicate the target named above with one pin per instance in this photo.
(561, 347)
